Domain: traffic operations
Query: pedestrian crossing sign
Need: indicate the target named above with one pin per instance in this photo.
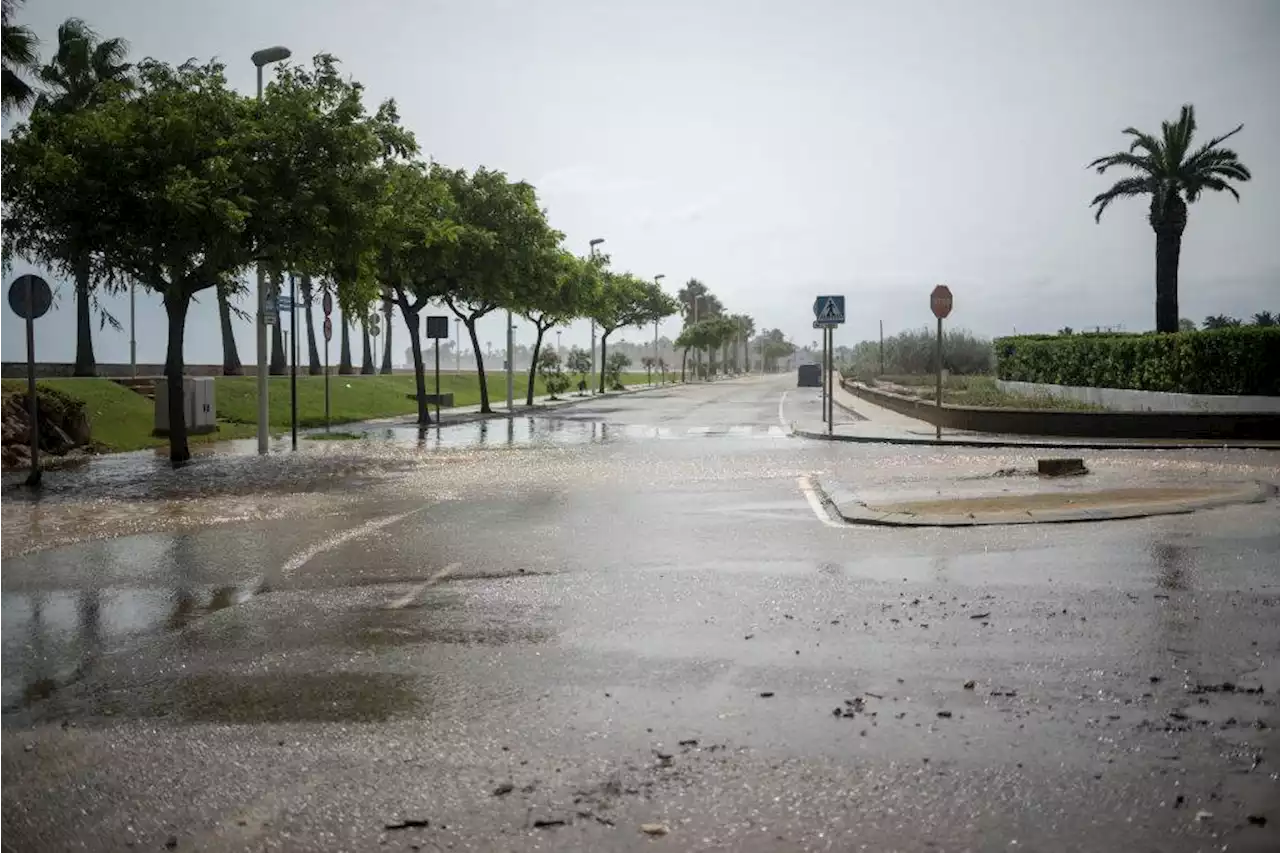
(828, 309)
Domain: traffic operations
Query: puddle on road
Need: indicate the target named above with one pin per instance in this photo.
(52, 639)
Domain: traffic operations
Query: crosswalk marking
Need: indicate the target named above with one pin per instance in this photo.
(642, 431)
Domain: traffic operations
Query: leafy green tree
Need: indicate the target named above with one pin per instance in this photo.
(649, 363)
(417, 224)
(1173, 175)
(773, 345)
(50, 223)
(1220, 321)
(1186, 324)
(579, 364)
(552, 373)
(18, 59)
(166, 172)
(562, 289)
(625, 300)
(617, 363)
(499, 243)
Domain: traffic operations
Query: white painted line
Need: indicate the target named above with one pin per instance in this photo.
(777, 432)
(412, 595)
(815, 503)
(782, 401)
(306, 555)
(741, 429)
(699, 430)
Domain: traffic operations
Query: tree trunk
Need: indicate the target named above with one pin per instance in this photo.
(419, 370)
(314, 367)
(484, 385)
(85, 365)
(1168, 251)
(175, 306)
(604, 345)
(230, 355)
(344, 359)
(533, 365)
(366, 362)
(386, 345)
(684, 358)
(278, 366)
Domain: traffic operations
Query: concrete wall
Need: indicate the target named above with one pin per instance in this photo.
(1259, 426)
(1125, 400)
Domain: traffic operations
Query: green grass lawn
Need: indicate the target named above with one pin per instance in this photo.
(361, 398)
(122, 419)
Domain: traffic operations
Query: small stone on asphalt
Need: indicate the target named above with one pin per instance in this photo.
(654, 828)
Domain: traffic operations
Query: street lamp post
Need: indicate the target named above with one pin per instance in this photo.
(133, 338)
(657, 279)
(559, 346)
(260, 58)
(457, 345)
(596, 242)
(511, 363)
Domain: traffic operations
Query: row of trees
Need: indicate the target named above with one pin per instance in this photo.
(164, 176)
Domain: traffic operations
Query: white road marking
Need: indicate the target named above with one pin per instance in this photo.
(778, 432)
(306, 555)
(699, 430)
(782, 401)
(412, 595)
(810, 492)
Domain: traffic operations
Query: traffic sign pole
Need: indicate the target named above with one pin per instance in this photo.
(33, 477)
(938, 425)
(293, 369)
(941, 303)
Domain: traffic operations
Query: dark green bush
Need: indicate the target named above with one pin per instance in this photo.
(1242, 360)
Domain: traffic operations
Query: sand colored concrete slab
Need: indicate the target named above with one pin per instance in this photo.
(1054, 507)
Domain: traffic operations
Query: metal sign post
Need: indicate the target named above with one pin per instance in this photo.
(940, 302)
(327, 304)
(31, 298)
(828, 312)
(293, 358)
(437, 328)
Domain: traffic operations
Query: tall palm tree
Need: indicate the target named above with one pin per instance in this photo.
(230, 355)
(1174, 175)
(17, 58)
(314, 368)
(344, 357)
(366, 364)
(1220, 321)
(1265, 318)
(83, 72)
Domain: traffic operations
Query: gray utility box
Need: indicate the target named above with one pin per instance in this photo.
(197, 404)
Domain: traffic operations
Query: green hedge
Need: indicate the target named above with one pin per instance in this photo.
(1242, 360)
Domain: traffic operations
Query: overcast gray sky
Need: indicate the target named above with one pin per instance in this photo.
(781, 150)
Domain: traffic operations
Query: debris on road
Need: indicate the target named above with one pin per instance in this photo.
(693, 741)
(1224, 687)
(408, 823)
(1256, 819)
(970, 684)
(766, 694)
(503, 789)
(654, 828)
(548, 823)
(982, 615)
(946, 715)
(1203, 815)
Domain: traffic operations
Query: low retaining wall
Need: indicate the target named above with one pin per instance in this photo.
(1252, 426)
(1127, 400)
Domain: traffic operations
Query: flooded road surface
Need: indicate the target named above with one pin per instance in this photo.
(565, 632)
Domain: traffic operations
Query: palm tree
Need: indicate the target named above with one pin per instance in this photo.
(18, 57)
(344, 358)
(1265, 318)
(230, 355)
(1173, 175)
(366, 364)
(314, 367)
(84, 71)
(1220, 321)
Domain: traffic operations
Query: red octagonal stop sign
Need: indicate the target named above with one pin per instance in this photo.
(940, 301)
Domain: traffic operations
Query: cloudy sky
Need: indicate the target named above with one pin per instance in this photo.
(781, 150)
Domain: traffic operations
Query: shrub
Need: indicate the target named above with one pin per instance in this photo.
(1238, 360)
(552, 374)
(912, 352)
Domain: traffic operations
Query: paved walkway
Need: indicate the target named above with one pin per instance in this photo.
(859, 420)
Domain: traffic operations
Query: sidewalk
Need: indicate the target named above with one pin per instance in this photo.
(859, 420)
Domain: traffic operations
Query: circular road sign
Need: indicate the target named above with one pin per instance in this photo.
(328, 328)
(30, 297)
(940, 301)
(327, 303)
(375, 325)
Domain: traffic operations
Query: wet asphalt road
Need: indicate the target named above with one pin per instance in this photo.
(629, 613)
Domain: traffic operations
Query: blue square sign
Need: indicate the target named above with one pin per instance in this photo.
(829, 309)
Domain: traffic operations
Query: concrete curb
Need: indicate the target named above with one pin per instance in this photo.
(861, 514)
(1033, 444)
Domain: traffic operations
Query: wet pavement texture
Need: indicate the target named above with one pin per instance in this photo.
(625, 626)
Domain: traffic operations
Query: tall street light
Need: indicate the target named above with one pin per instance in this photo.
(260, 58)
(596, 242)
(657, 279)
